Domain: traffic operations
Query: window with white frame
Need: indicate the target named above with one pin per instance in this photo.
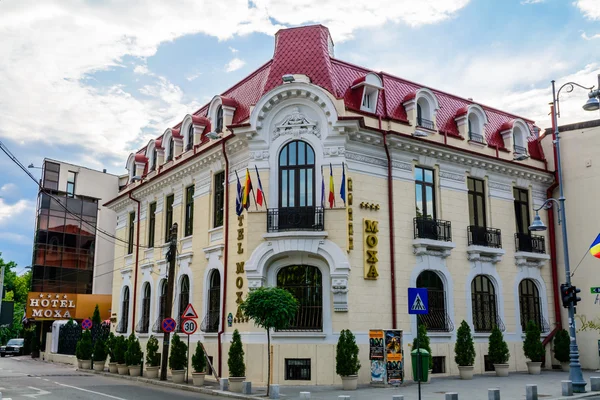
(519, 140)
(371, 86)
(424, 113)
(475, 128)
(190, 138)
(124, 321)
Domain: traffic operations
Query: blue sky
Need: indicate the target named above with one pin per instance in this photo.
(90, 81)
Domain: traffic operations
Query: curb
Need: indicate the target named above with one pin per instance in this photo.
(172, 385)
(578, 396)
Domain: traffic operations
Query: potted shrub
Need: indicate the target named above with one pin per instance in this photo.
(498, 353)
(99, 355)
(533, 348)
(237, 368)
(85, 347)
(562, 347)
(423, 344)
(464, 351)
(134, 356)
(346, 360)
(152, 358)
(120, 349)
(199, 365)
(110, 349)
(178, 359)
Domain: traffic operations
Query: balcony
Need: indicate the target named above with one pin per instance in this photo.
(482, 236)
(122, 326)
(295, 219)
(433, 229)
(189, 146)
(520, 149)
(143, 325)
(530, 243)
(210, 324)
(476, 137)
(425, 123)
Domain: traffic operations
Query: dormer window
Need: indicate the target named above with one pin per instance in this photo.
(219, 122)
(475, 128)
(153, 160)
(424, 114)
(190, 138)
(370, 85)
(170, 149)
(519, 140)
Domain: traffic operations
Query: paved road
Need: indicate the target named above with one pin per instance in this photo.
(22, 378)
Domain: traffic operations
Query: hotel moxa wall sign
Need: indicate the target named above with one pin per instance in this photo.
(51, 305)
(371, 240)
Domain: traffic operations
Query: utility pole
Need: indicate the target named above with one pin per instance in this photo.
(1, 287)
(171, 256)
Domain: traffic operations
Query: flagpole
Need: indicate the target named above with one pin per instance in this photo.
(262, 189)
(254, 196)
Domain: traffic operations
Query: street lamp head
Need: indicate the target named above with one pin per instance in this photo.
(593, 104)
(537, 224)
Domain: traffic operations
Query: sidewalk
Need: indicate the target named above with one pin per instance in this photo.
(511, 388)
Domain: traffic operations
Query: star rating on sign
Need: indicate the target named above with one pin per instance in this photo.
(64, 296)
(49, 296)
(57, 296)
(41, 295)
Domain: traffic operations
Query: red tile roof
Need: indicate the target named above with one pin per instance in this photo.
(305, 50)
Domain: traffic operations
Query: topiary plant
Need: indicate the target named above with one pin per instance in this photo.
(199, 359)
(99, 350)
(84, 346)
(346, 354)
(497, 348)
(562, 344)
(178, 356)
(423, 342)
(237, 368)
(133, 355)
(110, 347)
(96, 320)
(464, 349)
(120, 347)
(532, 346)
(152, 356)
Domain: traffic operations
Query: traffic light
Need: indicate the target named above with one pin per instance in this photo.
(565, 294)
(574, 297)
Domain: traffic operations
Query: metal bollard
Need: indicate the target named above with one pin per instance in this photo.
(398, 397)
(531, 392)
(224, 384)
(305, 395)
(451, 396)
(595, 382)
(567, 388)
(274, 392)
(494, 394)
(247, 387)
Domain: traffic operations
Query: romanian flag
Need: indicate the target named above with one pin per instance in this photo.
(595, 247)
(260, 194)
(322, 188)
(343, 185)
(331, 188)
(247, 190)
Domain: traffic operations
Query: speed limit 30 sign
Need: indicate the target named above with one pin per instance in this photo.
(189, 326)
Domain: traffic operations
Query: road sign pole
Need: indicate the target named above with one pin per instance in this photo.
(418, 359)
(172, 255)
(187, 370)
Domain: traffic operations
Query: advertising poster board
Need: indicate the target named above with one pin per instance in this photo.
(394, 360)
(376, 351)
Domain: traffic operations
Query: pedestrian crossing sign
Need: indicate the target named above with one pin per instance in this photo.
(418, 301)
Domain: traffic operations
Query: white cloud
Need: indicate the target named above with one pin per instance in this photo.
(193, 76)
(233, 50)
(12, 213)
(141, 70)
(586, 37)
(532, 1)
(589, 8)
(15, 238)
(234, 65)
(9, 189)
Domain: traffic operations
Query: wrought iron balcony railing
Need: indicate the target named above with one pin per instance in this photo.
(436, 321)
(309, 318)
(476, 137)
(122, 325)
(210, 323)
(485, 322)
(434, 229)
(157, 326)
(143, 325)
(482, 236)
(540, 322)
(425, 123)
(520, 149)
(295, 219)
(530, 243)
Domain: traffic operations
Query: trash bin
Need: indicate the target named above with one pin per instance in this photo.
(424, 364)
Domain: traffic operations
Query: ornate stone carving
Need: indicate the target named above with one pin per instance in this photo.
(499, 186)
(452, 176)
(339, 288)
(259, 155)
(296, 124)
(335, 151)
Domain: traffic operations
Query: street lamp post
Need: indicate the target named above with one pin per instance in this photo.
(575, 374)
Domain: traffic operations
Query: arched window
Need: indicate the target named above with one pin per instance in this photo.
(153, 161)
(162, 302)
(171, 149)
(437, 320)
(214, 303)
(475, 128)
(306, 284)
(424, 113)
(520, 140)
(184, 298)
(190, 138)
(124, 322)
(144, 323)
(219, 122)
(297, 188)
(530, 304)
(485, 306)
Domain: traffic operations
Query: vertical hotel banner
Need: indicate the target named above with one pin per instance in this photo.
(394, 360)
(377, 355)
